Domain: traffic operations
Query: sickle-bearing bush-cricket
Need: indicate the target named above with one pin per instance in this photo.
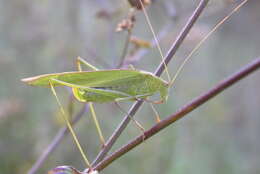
(99, 86)
(105, 85)
(113, 85)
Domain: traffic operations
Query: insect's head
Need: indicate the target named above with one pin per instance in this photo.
(164, 92)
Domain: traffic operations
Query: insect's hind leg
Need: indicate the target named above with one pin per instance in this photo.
(81, 61)
(69, 124)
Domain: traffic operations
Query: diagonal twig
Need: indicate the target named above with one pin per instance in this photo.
(55, 142)
(183, 111)
(158, 72)
(141, 52)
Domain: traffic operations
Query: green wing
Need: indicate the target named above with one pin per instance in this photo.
(104, 84)
(86, 78)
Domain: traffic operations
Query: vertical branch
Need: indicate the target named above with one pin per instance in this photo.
(158, 72)
(125, 49)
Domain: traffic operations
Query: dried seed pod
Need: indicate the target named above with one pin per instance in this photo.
(64, 170)
(140, 43)
(137, 4)
(126, 24)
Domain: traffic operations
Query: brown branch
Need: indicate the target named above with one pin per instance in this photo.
(158, 72)
(181, 113)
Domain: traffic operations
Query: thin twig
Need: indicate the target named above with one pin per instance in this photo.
(181, 37)
(141, 52)
(132, 59)
(125, 49)
(158, 72)
(183, 111)
(55, 142)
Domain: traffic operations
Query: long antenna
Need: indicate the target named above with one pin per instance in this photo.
(155, 38)
(204, 39)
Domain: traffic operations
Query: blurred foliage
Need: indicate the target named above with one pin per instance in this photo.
(46, 36)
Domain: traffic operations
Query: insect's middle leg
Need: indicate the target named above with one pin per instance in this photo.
(134, 121)
(144, 98)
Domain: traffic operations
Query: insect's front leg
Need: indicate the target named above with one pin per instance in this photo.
(155, 112)
(161, 101)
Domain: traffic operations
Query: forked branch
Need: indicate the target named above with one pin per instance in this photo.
(183, 111)
(158, 72)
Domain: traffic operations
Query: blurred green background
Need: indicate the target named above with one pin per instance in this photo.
(44, 36)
